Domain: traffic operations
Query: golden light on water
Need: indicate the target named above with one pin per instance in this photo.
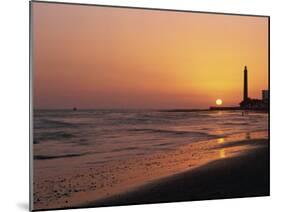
(219, 102)
(220, 140)
(222, 153)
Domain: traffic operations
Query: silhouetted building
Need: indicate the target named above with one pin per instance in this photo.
(265, 95)
(265, 98)
(256, 104)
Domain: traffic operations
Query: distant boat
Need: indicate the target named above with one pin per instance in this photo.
(74, 109)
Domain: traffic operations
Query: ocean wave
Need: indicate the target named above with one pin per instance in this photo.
(51, 124)
(164, 144)
(175, 132)
(124, 149)
(50, 157)
(235, 123)
(243, 142)
(59, 135)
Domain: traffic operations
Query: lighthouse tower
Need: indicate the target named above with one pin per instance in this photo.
(246, 102)
(245, 98)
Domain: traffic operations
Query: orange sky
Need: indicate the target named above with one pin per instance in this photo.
(101, 57)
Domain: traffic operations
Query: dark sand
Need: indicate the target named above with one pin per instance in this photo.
(244, 175)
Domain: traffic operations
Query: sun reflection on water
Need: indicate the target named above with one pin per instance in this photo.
(220, 140)
(222, 153)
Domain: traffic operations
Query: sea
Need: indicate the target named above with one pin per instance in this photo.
(120, 134)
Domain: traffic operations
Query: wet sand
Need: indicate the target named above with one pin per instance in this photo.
(241, 176)
(219, 168)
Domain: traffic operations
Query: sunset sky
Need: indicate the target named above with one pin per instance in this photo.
(101, 57)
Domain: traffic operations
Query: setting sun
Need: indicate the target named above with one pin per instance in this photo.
(219, 102)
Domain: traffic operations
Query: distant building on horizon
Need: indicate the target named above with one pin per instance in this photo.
(265, 95)
(256, 104)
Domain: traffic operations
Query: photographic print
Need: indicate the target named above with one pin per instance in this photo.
(136, 106)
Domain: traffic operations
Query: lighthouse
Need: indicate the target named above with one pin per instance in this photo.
(246, 102)
(245, 84)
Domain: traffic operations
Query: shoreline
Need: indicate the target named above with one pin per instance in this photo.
(214, 108)
(211, 108)
(245, 175)
(112, 184)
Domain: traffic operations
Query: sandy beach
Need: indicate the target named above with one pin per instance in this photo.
(246, 175)
(236, 166)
